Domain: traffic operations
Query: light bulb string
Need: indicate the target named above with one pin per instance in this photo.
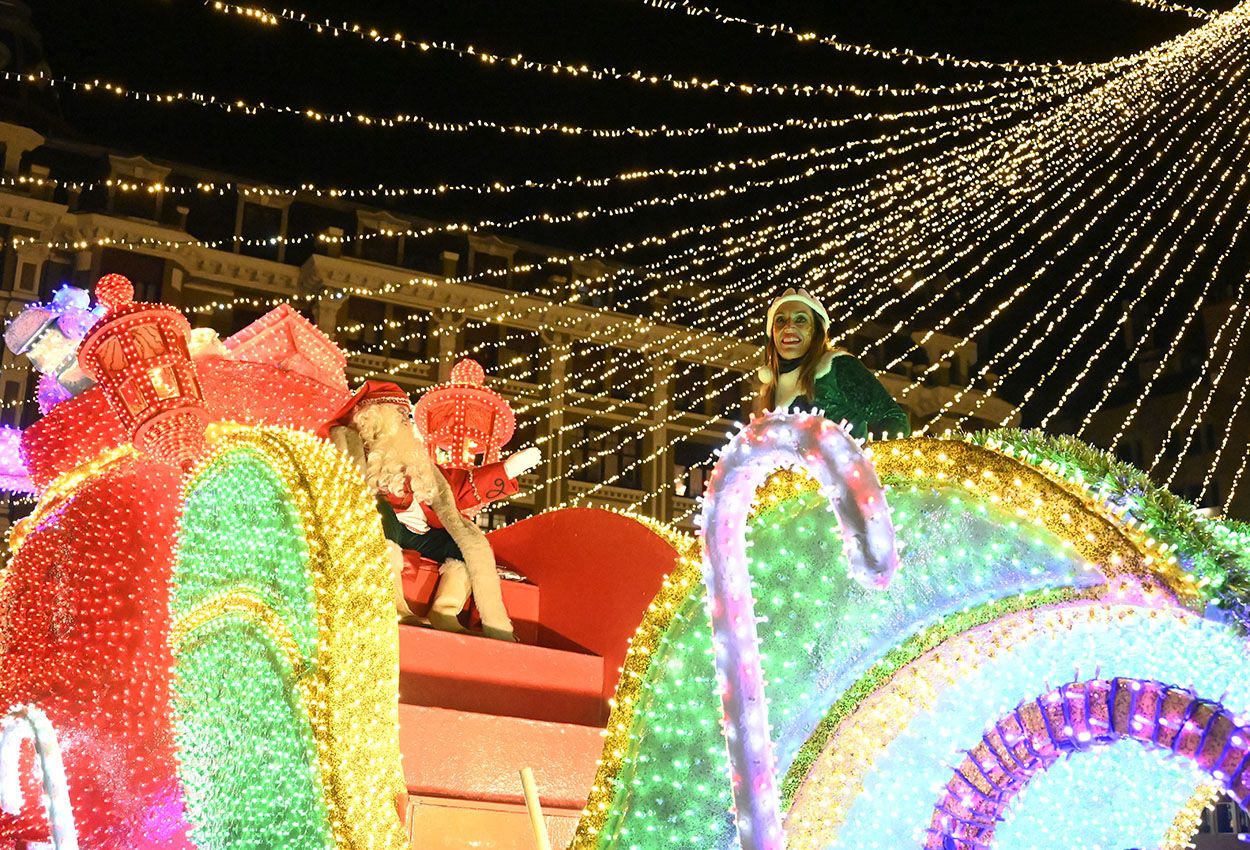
(372, 35)
(1176, 173)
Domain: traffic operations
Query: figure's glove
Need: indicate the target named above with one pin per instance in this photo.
(522, 462)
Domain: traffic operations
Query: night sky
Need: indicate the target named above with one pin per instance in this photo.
(171, 45)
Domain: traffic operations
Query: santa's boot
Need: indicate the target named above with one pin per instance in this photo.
(449, 598)
(395, 556)
(488, 597)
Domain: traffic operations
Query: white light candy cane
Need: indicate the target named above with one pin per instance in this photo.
(26, 722)
(849, 481)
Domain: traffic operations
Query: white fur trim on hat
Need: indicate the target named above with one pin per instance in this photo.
(803, 297)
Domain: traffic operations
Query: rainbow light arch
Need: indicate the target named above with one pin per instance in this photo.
(320, 630)
(1010, 537)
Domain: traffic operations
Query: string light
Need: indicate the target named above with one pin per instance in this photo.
(373, 35)
(904, 55)
(1199, 417)
(1150, 322)
(1163, 190)
(656, 453)
(1161, 6)
(1194, 311)
(992, 314)
(247, 190)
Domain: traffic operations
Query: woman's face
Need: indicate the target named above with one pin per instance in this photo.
(793, 327)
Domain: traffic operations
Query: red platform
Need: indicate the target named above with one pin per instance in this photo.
(467, 756)
(472, 673)
(475, 711)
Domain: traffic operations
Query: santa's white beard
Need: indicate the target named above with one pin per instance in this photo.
(395, 454)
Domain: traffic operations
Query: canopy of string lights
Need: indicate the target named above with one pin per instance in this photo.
(1071, 211)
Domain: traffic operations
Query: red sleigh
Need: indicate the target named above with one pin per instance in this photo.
(85, 617)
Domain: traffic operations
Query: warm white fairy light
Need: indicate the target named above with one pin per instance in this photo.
(640, 460)
(1195, 310)
(1126, 314)
(381, 191)
(893, 53)
(1002, 305)
(916, 284)
(1245, 455)
(1087, 419)
(673, 81)
(1124, 236)
(1196, 419)
(1163, 6)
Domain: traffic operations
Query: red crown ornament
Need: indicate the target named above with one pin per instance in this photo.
(465, 419)
(138, 355)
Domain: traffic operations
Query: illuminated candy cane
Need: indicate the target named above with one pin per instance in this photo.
(847, 478)
(23, 723)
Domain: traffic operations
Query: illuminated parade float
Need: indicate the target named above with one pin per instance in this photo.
(916, 643)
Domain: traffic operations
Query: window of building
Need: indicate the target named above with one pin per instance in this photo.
(692, 463)
(379, 246)
(524, 436)
(364, 325)
(482, 343)
(730, 399)
(261, 229)
(627, 375)
(145, 272)
(1225, 818)
(491, 261)
(136, 200)
(599, 457)
(591, 284)
(133, 180)
(619, 373)
(12, 399)
(380, 237)
(409, 331)
(520, 355)
(500, 514)
(197, 296)
(689, 387)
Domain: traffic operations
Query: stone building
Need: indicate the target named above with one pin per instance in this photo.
(1208, 448)
(628, 408)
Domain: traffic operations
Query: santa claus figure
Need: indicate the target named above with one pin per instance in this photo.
(428, 508)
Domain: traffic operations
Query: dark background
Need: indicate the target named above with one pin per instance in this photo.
(172, 45)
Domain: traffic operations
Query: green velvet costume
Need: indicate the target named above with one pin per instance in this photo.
(849, 391)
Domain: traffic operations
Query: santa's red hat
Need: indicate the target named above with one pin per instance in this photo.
(370, 392)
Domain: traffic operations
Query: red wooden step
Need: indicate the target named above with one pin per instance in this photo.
(464, 756)
(520, 598)
(473, 673)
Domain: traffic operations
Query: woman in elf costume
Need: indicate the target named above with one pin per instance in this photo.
(802, 372)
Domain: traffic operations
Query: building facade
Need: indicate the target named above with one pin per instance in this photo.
(1207, 449)
(627, 408)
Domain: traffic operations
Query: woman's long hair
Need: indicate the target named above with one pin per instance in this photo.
(765, 399)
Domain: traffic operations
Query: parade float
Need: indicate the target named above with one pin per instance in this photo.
(1003, 641)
